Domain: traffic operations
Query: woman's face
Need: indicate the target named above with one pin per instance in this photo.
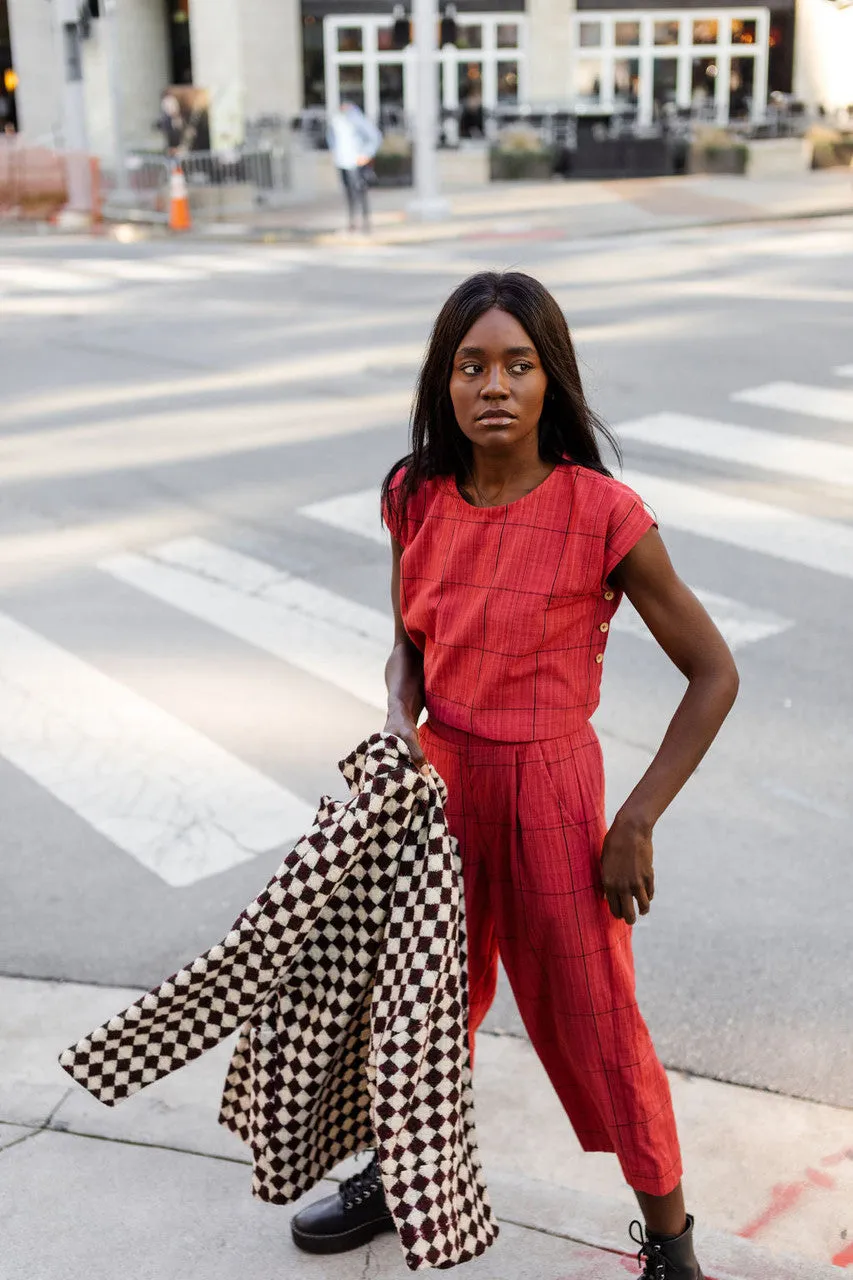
(497, 384)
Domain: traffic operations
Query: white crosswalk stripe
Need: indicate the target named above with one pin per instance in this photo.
(318, 631)
(21, 277)
(351, 513)
(160, 791)
(807, 459)
(89, 275)
(751, 526)
(741, 624)
(794, 397)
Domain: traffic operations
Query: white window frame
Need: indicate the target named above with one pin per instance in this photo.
(449, 57)
(608, 53)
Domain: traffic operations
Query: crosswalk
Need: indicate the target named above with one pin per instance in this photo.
(185, 808)
(87, 275)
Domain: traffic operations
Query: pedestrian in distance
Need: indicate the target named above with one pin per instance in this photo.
(353, 141)
(512, 548)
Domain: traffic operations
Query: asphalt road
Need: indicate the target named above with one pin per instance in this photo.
(160, 725)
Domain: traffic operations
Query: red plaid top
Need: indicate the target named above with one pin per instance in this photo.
(510, 605)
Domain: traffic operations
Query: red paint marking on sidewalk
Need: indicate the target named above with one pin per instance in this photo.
(785, 1195)
(844, 1258)
(838, 1157)
(783, 1198)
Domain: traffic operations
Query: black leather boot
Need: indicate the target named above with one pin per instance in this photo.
(350, 1218)
(667, 1259)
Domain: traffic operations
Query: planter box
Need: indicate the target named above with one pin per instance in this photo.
(624, 157)
(833, 155)
(778, 157)
(520, 166)
(719, 160)
(392, 170)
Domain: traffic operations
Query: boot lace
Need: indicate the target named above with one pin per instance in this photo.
(361, 1186)
(650, 1256)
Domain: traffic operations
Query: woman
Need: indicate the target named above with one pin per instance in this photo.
(512, 548)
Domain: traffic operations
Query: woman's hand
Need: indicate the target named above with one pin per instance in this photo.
(626, 868)
(402, 725)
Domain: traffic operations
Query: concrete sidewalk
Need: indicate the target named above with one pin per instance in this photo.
(558, 210)
(155, 1190)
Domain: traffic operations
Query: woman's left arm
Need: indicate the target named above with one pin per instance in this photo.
(690, 640)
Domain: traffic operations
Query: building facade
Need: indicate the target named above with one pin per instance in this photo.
(261, 59)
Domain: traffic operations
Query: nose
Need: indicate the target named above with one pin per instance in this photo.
(494, 387)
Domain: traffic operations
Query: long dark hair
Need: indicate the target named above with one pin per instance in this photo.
(567, 425)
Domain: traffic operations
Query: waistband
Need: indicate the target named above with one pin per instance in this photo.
(466, 742)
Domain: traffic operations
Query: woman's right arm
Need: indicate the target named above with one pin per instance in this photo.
(404, 675)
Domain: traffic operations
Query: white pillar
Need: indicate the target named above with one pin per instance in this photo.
(218, 67)
(272, 56)
(35, 54)
(427, 203)
(248, 55)
(823, 54)
(142, 40)
(549, 49)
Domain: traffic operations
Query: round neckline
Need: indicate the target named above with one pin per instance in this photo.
(453, 489)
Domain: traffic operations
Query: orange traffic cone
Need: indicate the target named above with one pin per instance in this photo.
(179, 201)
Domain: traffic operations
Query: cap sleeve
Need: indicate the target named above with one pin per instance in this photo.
(627, 522)
(393, 517)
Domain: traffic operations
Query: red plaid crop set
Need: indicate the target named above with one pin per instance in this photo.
(511, 608)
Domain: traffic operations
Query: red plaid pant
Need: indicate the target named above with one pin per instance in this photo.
(529, 818)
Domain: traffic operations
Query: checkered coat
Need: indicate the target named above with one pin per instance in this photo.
(348, 977)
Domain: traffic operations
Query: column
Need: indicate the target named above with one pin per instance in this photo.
(143, 57)
(248, 55)
(549, 49)
(823, 54)
(35, 53)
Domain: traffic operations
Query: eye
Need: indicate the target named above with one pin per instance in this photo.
(470, 368)
(520, 366)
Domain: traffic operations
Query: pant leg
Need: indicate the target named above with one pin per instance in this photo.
(450, 760)
(347, 179)
(571, 968)
(363, 190)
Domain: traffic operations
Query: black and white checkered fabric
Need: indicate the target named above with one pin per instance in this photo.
(349, 973)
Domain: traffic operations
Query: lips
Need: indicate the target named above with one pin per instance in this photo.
(496, 415)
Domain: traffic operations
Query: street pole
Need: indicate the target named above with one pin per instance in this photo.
(427, 203)
(121, 194)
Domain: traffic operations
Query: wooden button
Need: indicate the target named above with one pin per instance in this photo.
(604, 626)
(608, 595)
(599, 657)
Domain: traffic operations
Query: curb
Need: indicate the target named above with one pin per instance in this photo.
(305, 237)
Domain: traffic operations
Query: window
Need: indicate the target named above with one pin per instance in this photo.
(626, 81)
(743, 30)
(741, 87)
(350, 40)
(664, 83)
(703, 79)
(507, 35)
(705, 31)
(508, 82)
(588, 80)
(469, 36)
(351, 82)
(589, 35)
(710, 62)
(666, 32)
(627, 33)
